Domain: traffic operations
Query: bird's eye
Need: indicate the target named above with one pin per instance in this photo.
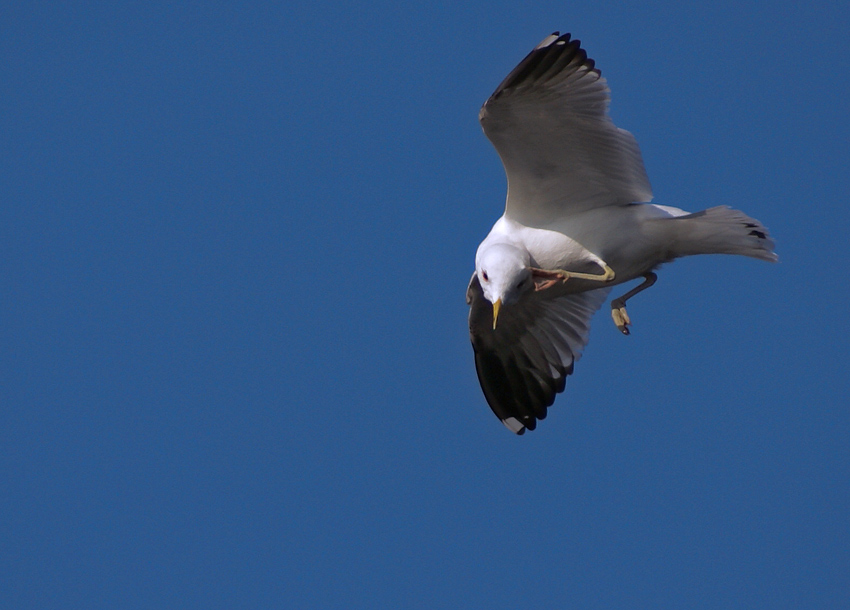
(484, 275)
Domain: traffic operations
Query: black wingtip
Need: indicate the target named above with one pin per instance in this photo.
(543, 56)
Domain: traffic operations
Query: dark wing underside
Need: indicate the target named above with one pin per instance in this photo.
(525, 361)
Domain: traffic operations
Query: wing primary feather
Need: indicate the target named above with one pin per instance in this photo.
(527, 65)
(521, 398)
(555, 59)
(497, 391)
(539, 397)
(568, 59)
(549, 39)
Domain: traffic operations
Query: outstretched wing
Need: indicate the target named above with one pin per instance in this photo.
(562, 153)
(524, 362)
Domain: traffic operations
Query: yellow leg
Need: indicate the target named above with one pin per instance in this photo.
(551, 276)
(618, 306)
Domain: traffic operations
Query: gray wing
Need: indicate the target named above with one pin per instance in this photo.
(524, 362)
(562, 153)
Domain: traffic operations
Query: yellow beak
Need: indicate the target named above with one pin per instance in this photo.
(496, 306)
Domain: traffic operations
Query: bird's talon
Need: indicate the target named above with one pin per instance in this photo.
(621, 318)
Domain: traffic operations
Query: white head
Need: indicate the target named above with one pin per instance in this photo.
(504, 274)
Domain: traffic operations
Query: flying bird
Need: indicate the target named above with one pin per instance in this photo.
(577, 221)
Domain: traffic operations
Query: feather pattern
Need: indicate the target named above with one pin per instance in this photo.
(524, 364)
(549, 122)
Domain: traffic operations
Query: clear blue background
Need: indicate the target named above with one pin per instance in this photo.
(234, 244)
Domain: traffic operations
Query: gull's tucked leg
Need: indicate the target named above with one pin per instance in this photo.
(544, 278)
(618, 306)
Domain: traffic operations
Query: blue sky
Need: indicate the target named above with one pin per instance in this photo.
(234, 246)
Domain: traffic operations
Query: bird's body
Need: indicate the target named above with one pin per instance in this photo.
(577, 222)
(617, 235)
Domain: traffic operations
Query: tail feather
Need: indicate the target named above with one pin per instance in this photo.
(720, 230)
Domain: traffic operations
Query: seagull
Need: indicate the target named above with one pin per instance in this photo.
(577, 221)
